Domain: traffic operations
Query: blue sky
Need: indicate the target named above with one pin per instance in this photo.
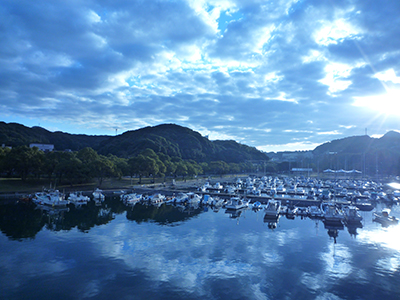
(276, 75)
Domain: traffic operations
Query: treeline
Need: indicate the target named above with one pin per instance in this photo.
(85, 165)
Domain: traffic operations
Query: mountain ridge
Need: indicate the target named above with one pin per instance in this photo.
(170, 139)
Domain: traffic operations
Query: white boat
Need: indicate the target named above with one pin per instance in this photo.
(98, 195)
(51, 198)
(331, 213)
(385, 218)
(314, 212)
(218, 186)
(281, 189)
(236, 203)
(217, 202)
(230, 189)
(156, 199)
(78, 199)
(351, 214)
(180, 198)
(257, 205)
(193, 198)
(131, 199)
(273, 208)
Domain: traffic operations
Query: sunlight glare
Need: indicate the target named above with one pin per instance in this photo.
(386, 104)
(387, 237)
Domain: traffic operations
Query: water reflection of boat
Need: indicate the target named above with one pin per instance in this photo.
(333, 229)
(352, 228)
(272, 220)
(384, 218)
(234, 213)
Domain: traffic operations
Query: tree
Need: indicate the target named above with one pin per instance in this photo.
(181, 169)
(4, 151)
(143, 166)
(121, 166)
(69, 167)
(24, 161)
(101, 168)
(219, 167)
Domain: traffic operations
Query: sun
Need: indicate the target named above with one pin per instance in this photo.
(387, 104)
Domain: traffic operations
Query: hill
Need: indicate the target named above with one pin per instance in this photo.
(361, 144)
(373, 156)
(170, 139)
(14, 134)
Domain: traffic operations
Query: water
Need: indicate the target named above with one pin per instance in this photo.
(115, 252)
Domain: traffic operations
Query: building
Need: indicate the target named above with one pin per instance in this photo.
(43, 147)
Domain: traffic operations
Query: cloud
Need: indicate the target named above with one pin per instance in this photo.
(217, 65)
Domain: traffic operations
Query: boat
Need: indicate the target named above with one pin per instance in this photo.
(78, 199)
(363, 205)
(273, 208)
(193, 199)
(331, 213)
(156, 199)
(217, 203)
(51, 198)
(131, 199)
(98, 195)
(291, 212)
(351, 215)
(236, 203)
(256, 206)
(383, 217)
(314, 212)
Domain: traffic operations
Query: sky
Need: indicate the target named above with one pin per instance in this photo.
(280, 75)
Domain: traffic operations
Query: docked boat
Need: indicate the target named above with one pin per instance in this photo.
(363, 205)
(51, 198)
(78, 199)
(273, 208)
(236, 203)
(385, 218)
(131, 199)
(193, 199)
(351, 215)
(98, 195)
(256, 206)
(314, 212)
(331, 213)
(156, 199)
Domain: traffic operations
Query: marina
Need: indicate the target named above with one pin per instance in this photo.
(193, 243)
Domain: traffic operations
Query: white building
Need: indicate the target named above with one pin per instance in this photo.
(43, 147)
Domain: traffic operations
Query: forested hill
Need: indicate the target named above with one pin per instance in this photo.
(14, 134)
(373, 155)
(362, 144)
(175, 140)
(170, 139)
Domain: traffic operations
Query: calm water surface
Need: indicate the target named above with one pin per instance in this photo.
(115, 252)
